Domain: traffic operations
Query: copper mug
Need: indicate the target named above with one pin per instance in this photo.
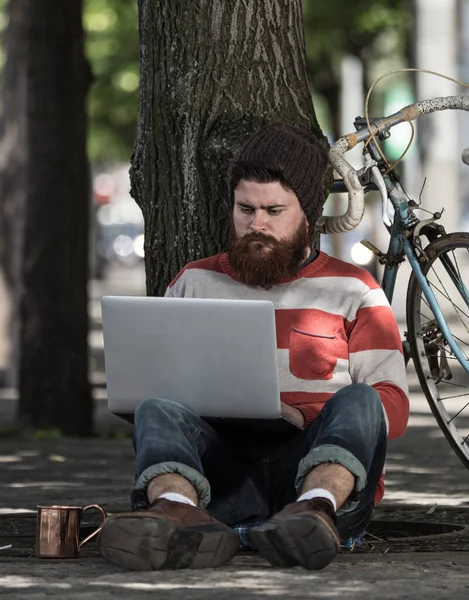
(58, 530)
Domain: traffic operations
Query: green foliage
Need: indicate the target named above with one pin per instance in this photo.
(117, 434)
(111, 46)
(46, 434)
(111, 28)
(10, 432)
(369, 30)
(342, 27)
(364, 28)
(15, 431)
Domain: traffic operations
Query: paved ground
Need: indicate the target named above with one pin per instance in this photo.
(391, 576)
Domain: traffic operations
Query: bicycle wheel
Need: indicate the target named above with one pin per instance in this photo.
(442, 378)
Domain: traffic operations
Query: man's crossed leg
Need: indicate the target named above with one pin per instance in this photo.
(307, 493)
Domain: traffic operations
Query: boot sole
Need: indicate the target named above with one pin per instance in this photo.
(305, 541)
(148, 543)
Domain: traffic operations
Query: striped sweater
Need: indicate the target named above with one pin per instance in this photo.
(334, 327)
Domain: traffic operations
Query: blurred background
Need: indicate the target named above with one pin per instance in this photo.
(348, 46)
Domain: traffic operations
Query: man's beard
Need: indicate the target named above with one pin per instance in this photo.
(260, 259)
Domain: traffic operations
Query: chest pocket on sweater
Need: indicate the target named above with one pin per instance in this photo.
(313, 355)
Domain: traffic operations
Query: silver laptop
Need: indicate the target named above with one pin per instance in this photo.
(217, 357)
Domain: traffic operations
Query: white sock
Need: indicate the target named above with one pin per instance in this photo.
(318, 493)
(177, 498)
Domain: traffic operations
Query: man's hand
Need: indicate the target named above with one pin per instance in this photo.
(293, 414)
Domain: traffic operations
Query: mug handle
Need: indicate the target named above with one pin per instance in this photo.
(96, 531)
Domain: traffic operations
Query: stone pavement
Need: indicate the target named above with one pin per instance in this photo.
(425, 482)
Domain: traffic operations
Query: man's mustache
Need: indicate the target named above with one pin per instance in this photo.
(256, 236)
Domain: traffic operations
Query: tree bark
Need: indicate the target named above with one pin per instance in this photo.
(12, 167)
(326, 83)
(212, 72)
(54, 182)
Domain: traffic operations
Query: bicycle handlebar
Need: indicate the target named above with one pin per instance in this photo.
(356, 193)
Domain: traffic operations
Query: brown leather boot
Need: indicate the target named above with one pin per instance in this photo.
(303, 533)
(168, 535)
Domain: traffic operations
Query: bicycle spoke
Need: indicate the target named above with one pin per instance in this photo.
(452, 357)
(459, 412)
(432, 319)
(447, 269)
(425, 301)
(458, 339)
(455, 306)
(447, 296)
(459, 316)
(425, 316)
(448, 277)
(453, 397)
(459, 272)
(456, 263)
(435, 287)
(441, 283)
(465, 387)
(461, 342)
(442, 290)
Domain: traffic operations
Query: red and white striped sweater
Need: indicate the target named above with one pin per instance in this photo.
(334, 327)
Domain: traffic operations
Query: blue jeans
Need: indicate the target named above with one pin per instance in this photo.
(243, 477)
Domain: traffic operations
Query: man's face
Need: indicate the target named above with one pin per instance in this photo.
(266, 208)
(270, 233)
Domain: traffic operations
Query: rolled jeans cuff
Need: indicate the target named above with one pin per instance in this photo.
(198, 481)
(329, 453)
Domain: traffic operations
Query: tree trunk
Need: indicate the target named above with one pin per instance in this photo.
(212, 72)
(327, 85)
(12, 169)
(53, 377)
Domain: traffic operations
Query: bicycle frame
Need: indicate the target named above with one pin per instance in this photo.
(400, 245)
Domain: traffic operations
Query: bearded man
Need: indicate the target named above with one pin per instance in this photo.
(297, 498)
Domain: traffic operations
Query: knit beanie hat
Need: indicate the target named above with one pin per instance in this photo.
(294, 157)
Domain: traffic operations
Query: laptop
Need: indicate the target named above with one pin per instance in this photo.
(216, 357)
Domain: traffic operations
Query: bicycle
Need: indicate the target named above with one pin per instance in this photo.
(436, 340)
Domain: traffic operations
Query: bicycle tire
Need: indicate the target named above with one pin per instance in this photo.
(430, 352)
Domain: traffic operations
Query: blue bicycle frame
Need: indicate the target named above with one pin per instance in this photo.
(399, 245)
